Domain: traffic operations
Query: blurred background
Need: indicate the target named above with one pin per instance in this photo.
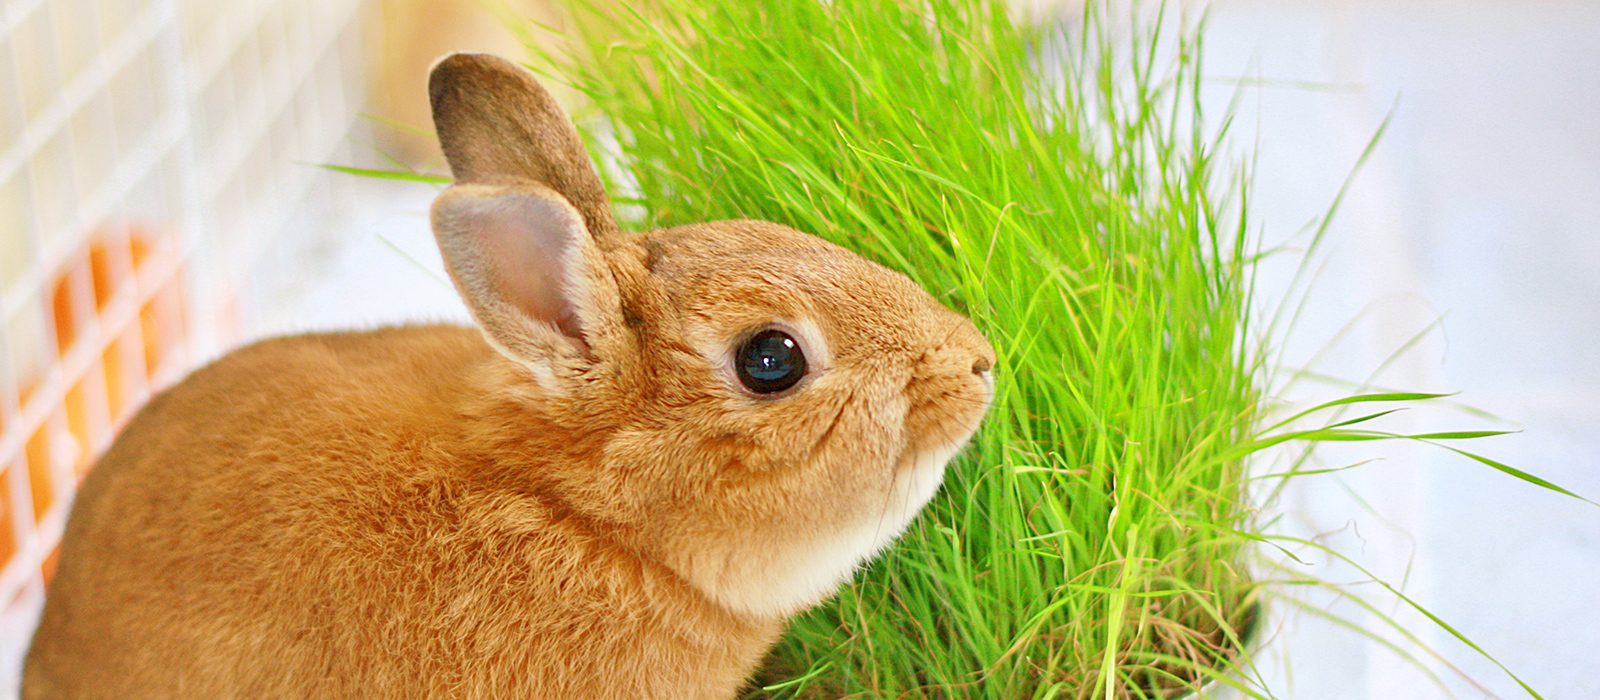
(1465, 258)
(160, 203)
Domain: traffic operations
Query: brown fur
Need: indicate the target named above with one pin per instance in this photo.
(587, 506)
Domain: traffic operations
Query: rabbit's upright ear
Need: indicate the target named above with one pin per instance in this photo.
(498, 125)
(517, 228)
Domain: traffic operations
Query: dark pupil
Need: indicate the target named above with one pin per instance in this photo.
(770, 362)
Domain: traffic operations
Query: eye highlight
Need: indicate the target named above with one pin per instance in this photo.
(769, 362)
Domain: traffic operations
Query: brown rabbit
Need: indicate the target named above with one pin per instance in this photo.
(671, 442)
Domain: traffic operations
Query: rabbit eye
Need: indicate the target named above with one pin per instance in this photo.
(769, 362)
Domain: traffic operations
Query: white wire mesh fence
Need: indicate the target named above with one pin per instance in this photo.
(156, 181)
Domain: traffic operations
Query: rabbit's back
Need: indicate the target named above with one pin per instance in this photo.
(305, 518)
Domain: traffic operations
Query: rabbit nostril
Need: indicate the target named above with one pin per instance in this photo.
(982, 366)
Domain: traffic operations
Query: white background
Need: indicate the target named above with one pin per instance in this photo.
(1480, 206)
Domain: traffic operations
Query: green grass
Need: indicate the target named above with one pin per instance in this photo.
(1095, 541)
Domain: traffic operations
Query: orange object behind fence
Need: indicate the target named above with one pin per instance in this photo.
(115, 336)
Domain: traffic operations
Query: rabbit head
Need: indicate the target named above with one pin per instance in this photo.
(750, 406)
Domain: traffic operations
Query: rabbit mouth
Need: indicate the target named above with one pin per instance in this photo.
(947, 405)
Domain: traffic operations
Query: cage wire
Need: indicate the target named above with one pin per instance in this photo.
(156, 198)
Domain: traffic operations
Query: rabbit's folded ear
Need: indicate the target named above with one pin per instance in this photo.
(529, 271)
(498, 125)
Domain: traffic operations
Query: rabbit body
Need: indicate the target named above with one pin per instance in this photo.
(654, 448)
(358, 541)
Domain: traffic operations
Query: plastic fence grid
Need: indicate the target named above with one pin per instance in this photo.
(153, 163)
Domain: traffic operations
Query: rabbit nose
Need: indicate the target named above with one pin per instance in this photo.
(978, 348)
(983, 368)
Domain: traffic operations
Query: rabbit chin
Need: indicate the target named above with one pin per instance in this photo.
(793, 574)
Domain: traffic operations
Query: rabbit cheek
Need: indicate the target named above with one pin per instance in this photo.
(798, 541)
(777, 573)
(796, 573)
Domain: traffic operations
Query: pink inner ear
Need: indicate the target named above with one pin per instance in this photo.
(526, 245)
